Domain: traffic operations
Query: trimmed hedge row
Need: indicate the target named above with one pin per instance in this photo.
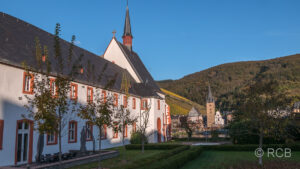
(176, 161)
(153, 146)
(250, 147)
(156, 157)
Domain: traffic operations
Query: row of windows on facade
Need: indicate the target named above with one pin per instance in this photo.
(28, 89)
(72, 133)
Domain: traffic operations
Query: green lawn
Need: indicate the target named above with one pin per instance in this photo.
(125, 157)
(223, 159)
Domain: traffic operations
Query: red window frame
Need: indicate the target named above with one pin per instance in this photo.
(31, 83)
(55, 139)
(133, 103)
(116, 100)
(91, 126)
(158, 104)
(87, 94)
(125, 101)
(75, 134)
(125, 132)
(1, 133)
(105, 132)
(104, 96)
(76, 91)
(51, 83)
(115, 132)
(142, 104)
(134, 126)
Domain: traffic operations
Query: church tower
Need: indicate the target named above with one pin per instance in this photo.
(210, 109)
(127, 36)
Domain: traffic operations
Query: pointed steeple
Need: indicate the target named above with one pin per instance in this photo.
(127, 36)
(210, 98)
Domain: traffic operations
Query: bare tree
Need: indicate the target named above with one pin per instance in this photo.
(143, 123)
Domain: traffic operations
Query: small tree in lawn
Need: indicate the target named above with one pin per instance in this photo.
(265, 105)
(123, 114)
(99, 111)
(143, 123)
(187, 125)
(50, 104)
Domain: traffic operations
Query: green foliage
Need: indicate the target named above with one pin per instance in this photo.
(153, 146)
(228, 79)
(250, 147)
(136, 138)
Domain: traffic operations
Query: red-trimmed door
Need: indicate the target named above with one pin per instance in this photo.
(24, 140)
(158, 130)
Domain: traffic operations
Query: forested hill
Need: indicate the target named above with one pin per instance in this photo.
(226, 78)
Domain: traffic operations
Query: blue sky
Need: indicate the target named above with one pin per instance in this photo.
(174, 37)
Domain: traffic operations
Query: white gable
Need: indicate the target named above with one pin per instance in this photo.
(114, 54)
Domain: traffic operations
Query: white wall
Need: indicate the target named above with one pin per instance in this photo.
(12, 102)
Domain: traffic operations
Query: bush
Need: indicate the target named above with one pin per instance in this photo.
(178, 160)
(153, 146)
(156, 157)
(250, 147)
(136, 138)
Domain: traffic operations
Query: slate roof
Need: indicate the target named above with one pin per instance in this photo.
(139, 68)
(17, 44)
(210, 98)
(127, 26)
(194, 113)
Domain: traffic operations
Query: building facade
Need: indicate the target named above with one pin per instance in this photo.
(18, 137)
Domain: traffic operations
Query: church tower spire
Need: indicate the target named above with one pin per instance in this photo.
(127, 36)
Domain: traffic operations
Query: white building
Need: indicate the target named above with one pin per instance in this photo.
(18, 139)
(219, 121)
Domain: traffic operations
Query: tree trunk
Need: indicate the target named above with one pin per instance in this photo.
(99, 163)
(143, 144)
(260, 162)
(59, 137)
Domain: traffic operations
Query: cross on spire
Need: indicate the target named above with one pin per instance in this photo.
(114, 33)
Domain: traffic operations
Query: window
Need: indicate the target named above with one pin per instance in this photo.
(74, 91)
(125, 131)
(144, 104)
(53, 87)
(125, 101)
(72, 132)
(28, 83)
(116, 100)
(51, 139)
(1, 133)
(134, 126)
(103, 96)
(89, 94)
(133, 103)
(103, 132)
(158, 104)
(115, 131)
(89, 131)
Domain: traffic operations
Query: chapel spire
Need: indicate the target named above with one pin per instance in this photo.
(210, 98)
(127, 36)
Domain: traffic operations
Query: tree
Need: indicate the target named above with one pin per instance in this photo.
(187, 125)
(50, 103)
(99, 113)
(265, 105)
(143, 123)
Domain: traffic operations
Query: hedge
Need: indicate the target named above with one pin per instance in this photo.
(176, 161)
(153, 146)
(156, 157)
(250, 147)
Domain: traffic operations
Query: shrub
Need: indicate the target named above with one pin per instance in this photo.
(153, 146)
(156, 157)
(250, 147)
(178, 160)
(136, 138)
